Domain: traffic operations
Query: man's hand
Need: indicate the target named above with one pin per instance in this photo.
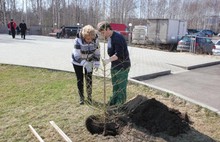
(106, 61)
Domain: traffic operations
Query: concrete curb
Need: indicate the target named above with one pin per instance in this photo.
(153, 75)
(203, 65)
(198, 65)
(178, 95)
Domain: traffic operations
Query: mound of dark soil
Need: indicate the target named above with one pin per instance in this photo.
(148, 114)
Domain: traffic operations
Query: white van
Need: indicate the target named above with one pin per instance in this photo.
(139, 34)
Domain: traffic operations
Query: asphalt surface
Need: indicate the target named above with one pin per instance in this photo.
(182, 74)
(200, 86)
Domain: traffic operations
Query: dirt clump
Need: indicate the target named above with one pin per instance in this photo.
(139, 112)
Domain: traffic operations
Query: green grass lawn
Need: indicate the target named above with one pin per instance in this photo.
(33, 96)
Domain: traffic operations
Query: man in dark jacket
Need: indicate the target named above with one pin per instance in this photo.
(23, 28)
(120, 62)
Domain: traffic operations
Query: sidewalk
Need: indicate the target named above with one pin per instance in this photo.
(52, 53)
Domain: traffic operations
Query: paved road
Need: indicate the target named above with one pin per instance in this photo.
(201, 85)
(49, 52)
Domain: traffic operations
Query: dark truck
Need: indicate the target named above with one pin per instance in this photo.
(68, 31)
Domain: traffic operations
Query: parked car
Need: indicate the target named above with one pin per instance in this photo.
(216, 50)
(208, 33)
(192, 31)
(200, 34)
(200, 44)
(68, 31)
(184, 43)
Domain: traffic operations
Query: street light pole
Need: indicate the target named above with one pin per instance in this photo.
(55, 25)
(130, 32)
(78, 27)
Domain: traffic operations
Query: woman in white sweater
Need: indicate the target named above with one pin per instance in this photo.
(85, 55)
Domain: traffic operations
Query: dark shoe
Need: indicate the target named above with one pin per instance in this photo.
(81, 102)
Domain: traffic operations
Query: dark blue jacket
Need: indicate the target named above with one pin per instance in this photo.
(118, 46)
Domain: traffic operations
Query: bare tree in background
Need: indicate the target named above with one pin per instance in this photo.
(63, 13)
(22, 9)
(76, 12)
(39, 11)
(47, 13)
(57, 13)
(35, 6)
(161, 8)
(151, 8)
(2, 12)
(93, 12)
(128, 8)
(212, 15)
(10, 5)
(12, 8)
(120, 10)
(143, 9)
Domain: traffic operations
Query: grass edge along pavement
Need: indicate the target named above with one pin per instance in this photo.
(36, 96)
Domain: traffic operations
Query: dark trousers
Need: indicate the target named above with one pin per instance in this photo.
(13, 33)
(119, 82)
(23, 34)
(80, 82)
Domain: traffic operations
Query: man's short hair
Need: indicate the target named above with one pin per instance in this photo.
(103, 26)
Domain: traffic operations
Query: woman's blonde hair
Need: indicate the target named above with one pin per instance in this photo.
(88, 30)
